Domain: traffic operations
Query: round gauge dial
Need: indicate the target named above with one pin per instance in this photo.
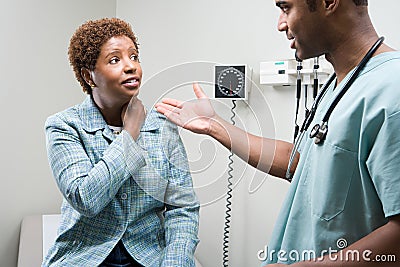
(230, 82)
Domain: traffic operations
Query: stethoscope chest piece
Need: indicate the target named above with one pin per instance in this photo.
(318, 132)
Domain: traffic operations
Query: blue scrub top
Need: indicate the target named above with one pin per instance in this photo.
(347, 187)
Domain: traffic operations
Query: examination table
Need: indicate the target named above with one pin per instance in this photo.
(37, 234)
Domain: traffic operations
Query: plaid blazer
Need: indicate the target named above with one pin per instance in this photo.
(115, 188)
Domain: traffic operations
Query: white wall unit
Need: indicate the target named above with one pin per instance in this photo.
(284, 72)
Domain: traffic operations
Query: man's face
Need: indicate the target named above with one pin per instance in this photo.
(303, 27)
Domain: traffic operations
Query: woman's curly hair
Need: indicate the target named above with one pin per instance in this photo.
(86, 42)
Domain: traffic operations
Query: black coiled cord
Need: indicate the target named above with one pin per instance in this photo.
(228, 199)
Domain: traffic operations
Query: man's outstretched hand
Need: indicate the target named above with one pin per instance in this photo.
(196, 115)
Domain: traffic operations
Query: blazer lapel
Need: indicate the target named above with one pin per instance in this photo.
(92, 119)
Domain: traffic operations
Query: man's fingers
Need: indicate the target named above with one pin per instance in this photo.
(169, 112)
(198, 91)
(165, 107)
(172, 102)
(161, 108)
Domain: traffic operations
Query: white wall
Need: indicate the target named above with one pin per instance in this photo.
(36, 81)
(386, 21)
(180, 40)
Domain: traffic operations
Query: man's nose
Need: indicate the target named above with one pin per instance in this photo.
(282, 24)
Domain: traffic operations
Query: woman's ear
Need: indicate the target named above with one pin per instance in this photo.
(87, 76)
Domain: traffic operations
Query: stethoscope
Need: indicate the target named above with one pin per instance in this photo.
(320, 130)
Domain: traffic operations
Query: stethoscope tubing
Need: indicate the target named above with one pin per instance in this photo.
(320, 96)
(309, 118)
(353, 77)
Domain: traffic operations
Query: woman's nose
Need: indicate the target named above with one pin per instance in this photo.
(130, 66)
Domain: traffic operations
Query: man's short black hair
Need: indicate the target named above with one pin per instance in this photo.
(312, 4)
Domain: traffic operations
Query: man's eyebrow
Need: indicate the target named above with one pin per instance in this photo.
(280, 3)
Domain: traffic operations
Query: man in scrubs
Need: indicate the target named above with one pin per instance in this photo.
(343, 205)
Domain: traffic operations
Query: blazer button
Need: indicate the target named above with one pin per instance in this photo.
(124, 196)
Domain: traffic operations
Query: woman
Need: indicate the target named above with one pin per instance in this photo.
(128, 196)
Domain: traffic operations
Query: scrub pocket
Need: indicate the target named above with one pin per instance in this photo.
(332, 178)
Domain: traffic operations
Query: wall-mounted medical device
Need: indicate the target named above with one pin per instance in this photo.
(311, 73)
(285, 72)
(232, 81)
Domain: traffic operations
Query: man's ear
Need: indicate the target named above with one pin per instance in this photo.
(331, 5)
(87, 76)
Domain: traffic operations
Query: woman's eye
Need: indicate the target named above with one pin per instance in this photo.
(135, 57)
(114, 60)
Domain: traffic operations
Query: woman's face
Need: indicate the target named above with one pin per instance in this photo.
(117, 74)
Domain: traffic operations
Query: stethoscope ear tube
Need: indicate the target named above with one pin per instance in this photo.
(313, 109)
(320, 131)
(353, 77)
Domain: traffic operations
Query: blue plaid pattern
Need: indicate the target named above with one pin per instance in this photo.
(117, 189)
